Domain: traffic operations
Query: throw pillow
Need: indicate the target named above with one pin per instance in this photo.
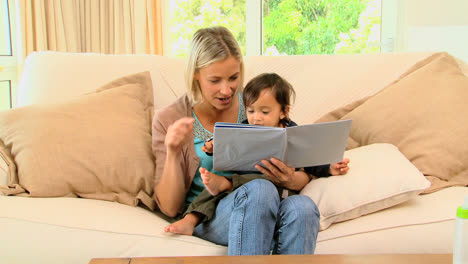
(95, 146)
(8, 176)
(422, 114)
(379, 177)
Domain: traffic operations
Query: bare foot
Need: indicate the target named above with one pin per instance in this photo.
(184, 226)
(214, 184)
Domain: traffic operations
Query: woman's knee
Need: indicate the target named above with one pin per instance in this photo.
(301, 206)
(261, 192)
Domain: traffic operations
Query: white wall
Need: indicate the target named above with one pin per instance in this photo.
(437, 13)
(434, 25)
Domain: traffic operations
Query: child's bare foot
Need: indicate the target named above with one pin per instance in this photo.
(184, 226)
(214, 184)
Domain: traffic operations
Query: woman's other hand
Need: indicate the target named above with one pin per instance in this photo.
(178, 133)
(339, 168)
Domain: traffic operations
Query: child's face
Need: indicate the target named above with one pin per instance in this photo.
(266, 111)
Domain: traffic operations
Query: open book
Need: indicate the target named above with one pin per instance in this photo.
(239, 147)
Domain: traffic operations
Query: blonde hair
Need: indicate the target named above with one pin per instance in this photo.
(209, 45)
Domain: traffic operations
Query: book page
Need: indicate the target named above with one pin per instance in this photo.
(316, 144)
(241, 147)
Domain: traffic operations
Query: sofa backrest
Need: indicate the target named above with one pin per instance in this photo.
(50, 77)
(322, 82)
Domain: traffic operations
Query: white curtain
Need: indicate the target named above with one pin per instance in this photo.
(101, 26)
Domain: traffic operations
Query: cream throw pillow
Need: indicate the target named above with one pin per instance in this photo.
(95, 146)
(424, 115)
(379, 177)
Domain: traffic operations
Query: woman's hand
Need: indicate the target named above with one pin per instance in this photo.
(339, 168)
(169, 191)
(178, 133)
(282, 175)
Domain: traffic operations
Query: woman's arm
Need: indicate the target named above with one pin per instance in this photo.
(282, 175)
(169, 190)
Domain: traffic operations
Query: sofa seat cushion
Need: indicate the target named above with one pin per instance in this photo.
(103, 229)
(74, 230)
(422, 225)
(95, 146)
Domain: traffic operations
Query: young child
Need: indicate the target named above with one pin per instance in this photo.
(267, 101)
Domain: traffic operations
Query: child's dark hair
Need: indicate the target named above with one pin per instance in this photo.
(281, 89)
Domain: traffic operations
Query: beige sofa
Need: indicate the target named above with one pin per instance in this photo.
(72, 230)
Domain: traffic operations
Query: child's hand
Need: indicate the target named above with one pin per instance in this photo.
(208, 147)
(339, 168)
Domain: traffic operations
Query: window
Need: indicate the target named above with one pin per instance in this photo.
(280, 27)
(5, 32)
(8, 73)
(186, 16)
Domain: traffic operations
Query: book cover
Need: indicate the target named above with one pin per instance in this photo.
(239, 147)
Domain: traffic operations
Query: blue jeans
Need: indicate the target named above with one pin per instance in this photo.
(252, 221)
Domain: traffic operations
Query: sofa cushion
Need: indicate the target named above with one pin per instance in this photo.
(379, 177)
(326, 82)
(8, 175)
(95, 146)
(422, 114)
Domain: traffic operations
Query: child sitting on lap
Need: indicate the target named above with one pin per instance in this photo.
(267, 101)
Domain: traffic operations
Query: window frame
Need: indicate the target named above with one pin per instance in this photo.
(9, 63)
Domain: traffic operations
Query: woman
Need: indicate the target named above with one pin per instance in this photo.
(251, 220)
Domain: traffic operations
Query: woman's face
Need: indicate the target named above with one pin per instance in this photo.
(219, 82)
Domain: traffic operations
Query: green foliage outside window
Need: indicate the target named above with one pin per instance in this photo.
(188, 16)
(365, 38)
(289, 26)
